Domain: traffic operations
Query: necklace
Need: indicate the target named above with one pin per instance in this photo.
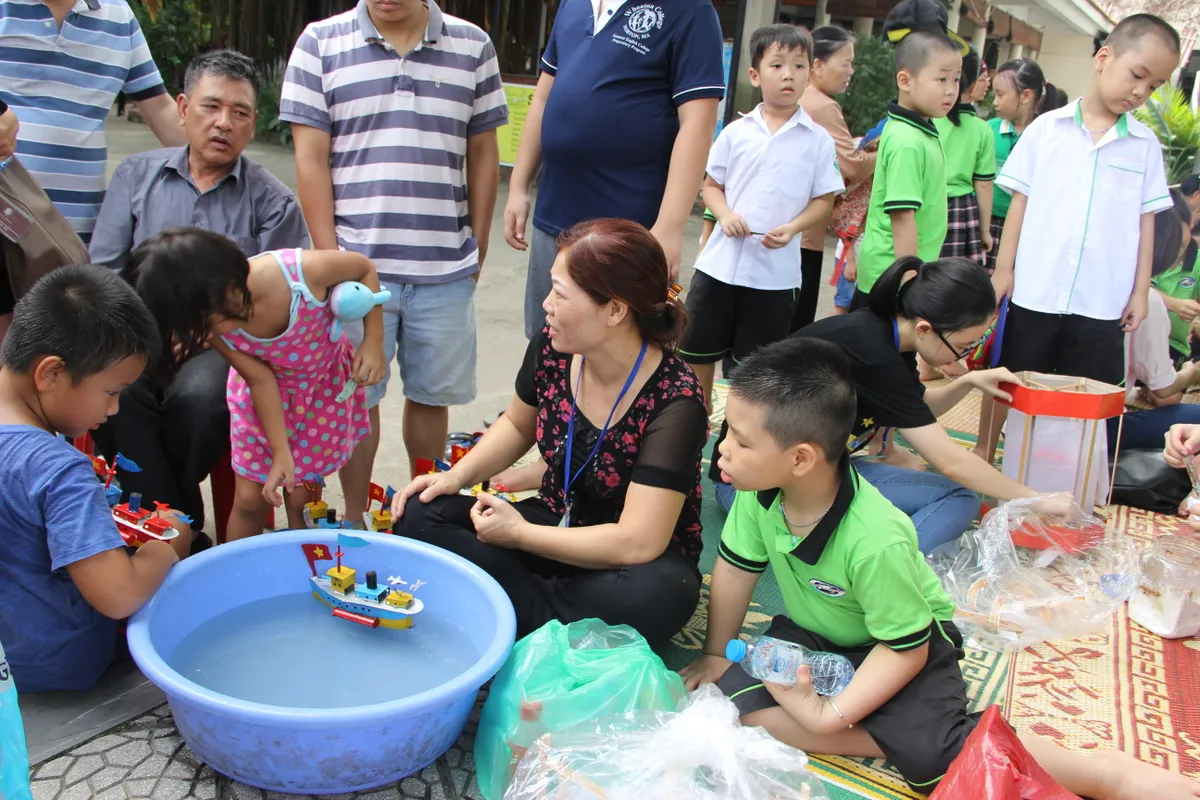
(789, 521)
(1099, 130)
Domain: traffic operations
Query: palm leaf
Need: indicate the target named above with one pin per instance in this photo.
(1177, 127)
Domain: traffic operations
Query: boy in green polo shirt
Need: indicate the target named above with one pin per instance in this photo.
(854, 583)
(907, 212)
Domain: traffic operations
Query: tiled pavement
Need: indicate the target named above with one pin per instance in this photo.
(146, 758)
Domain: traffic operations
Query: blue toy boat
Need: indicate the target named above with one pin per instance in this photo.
(366, 603)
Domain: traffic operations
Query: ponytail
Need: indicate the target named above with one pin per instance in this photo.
(1026, 75)
(951, 294)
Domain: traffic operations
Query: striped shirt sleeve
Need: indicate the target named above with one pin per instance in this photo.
(742, 542)
(302, 99)
(490, 109)
(143, 80)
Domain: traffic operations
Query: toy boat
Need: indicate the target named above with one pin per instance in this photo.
(366, 603)
(137, 525)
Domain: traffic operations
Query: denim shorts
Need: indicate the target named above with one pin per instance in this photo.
(429, 329)
(844, 293)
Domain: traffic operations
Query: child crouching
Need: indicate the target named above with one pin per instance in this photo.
(78, 338)
(853, 582)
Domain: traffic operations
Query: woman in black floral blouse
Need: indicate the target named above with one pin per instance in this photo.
(618, 537)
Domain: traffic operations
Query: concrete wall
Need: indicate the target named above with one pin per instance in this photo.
(1067, 61)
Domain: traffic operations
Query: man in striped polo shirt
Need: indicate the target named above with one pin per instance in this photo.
(62, 63)
(394, 108)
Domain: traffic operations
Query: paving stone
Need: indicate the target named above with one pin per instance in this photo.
(56, 768)
(140, 788)
(45, 790)
(136, 733)
(186, 756)
(472, 790)
(460, 778)
(185, 772)
(205, 790)
(413, 787)
(80, 791)
(243, 792)
(83, 767)
(129, 754)
(171, 789)
(99, 745)
(114, 793)
(453, 757)
(391, 793)
(152, 767)
(166, 745)
(162, 711)
(107, 777)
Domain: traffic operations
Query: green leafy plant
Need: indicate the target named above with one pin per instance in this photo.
(1177, 126)
(270, 126)
(172, 30)
(865, 101)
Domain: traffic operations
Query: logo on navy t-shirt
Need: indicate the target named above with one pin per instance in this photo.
(640, 24)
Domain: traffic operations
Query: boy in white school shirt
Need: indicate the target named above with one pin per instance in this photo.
(1075, 255)
(770, 175)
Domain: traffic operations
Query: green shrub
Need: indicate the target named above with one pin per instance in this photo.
(173, 36)
(270, 128)
(865, 102)
(1177, 127)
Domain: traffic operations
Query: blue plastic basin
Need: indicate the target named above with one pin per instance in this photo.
(311, 751)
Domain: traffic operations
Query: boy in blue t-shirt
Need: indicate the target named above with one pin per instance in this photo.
(78, 337)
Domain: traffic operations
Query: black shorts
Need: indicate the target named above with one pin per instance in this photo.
(920, 730)
(861, 300)
(1063, 344)
(733, 320)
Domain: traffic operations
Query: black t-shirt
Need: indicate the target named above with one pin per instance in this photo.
(658, 441)
(890, 393)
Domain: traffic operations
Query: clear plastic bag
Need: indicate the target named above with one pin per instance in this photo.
(1167, 598)
(560, 676)
(1024, 577)
(698, 753)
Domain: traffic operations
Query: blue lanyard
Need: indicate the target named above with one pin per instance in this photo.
(570, 481)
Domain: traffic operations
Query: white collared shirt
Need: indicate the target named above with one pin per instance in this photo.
(610, 9)
(1078, 249)
(768, 179)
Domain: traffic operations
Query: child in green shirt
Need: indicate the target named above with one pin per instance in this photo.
(907, 212)
(970, 151)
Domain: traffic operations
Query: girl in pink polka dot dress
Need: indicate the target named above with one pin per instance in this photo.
(290, 420)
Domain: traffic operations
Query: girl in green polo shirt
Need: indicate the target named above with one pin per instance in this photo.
(970, 170)
(1021, 93)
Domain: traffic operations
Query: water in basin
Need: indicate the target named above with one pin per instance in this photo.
(290, 651)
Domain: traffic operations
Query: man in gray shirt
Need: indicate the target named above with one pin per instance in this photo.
(176, 433)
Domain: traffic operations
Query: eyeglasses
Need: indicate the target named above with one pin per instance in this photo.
(966, 351)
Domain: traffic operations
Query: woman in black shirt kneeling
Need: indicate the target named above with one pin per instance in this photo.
(614, 532)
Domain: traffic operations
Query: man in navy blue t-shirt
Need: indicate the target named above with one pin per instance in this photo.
(620, 124)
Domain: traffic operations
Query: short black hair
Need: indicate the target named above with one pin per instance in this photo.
(806, 388)
(1131, 30)
(916, 49)
(222, 64)
(84, 314)
(788, 37)
(1190, 185)
(186, 276)
(828, 40)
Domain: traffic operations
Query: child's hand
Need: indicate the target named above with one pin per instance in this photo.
(803, 704)
(1002, 282)
(985, 236)
(282, 474)
(734, 225)
(369, 364)
(705, 669)
(1135, 312)
(778, 237)
(850, 271)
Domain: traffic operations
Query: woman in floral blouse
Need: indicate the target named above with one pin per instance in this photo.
(614, 532)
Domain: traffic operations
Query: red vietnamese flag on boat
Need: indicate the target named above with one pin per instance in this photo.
(315, 553)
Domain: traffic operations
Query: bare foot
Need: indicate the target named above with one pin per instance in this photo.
(1139, 781)
(521, 479)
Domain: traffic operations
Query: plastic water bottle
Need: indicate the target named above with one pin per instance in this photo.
(776, 661)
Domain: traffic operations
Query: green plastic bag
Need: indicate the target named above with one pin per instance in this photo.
(562, 675)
